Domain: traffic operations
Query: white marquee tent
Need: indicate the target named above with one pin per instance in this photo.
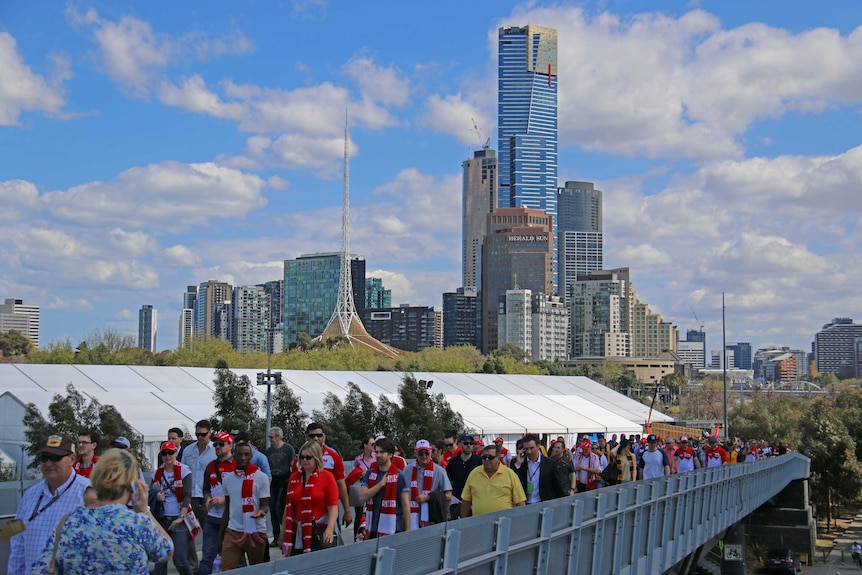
(153, 399)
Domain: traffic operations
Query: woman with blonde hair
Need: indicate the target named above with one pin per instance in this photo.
(311, 512)
(110, 538)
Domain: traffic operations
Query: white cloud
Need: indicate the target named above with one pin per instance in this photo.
(161, 196)
(180, 256)
(21, 90)
(454, 115)
(377, 83)
(193, 95)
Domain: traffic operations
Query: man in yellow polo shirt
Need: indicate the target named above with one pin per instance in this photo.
(492, 487)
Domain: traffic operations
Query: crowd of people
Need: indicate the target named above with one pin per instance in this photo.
(93, 514)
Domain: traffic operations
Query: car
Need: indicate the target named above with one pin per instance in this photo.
(781, 561)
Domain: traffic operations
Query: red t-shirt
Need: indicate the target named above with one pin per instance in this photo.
(85, 471)
(323, 495)
(715, 456)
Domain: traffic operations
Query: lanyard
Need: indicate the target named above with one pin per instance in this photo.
(531, 476)
(37, 511)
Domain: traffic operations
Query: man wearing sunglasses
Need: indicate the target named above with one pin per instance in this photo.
(492, 487)
(45, 503)
(458, 469)
(197, 457)
(430, 490)
(214, 498)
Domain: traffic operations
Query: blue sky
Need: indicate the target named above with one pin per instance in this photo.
(150, 146)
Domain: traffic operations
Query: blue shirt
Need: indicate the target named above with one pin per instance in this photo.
(41, 511)
(198, 462)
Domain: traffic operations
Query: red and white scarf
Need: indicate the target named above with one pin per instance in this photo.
(216, 468)
(419, 513)
(386, 525)
(194, 527)
(305, 517)
(250, 533)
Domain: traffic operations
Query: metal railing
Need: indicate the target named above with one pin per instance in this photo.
(641, 527)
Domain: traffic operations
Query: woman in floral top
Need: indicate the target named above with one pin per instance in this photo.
(110, 538)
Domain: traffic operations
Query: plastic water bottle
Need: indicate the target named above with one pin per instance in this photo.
(217, 564)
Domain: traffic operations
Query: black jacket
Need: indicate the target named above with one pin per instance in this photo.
(553, 479)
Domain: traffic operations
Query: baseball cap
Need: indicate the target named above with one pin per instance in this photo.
(168, 445)
(498, 440)
(121, 442)
(224, 437)
(466, 437)
(651, 438)
(57, 445)
(479, 442)
(683, 438)
(423, 444)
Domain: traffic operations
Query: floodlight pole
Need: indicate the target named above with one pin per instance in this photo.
(724, 362)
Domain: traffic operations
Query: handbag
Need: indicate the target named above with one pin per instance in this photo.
(317, 542)
(52, 565)
(610, 473)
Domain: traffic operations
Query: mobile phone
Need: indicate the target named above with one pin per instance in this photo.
(134, 491)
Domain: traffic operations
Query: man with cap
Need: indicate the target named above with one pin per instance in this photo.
(427, 482)
(714, 454)
(653, 462)
(670, 450)
(213, 489)
(587, 466)
(505, 456)
(686, 459)
(478, 446)
(124, 444)
(45, 503)
(459, 469)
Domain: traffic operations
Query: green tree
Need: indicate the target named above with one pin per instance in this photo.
(836, 475)
(422, 415)
(60, 352)
(235, 404)
(287, 414)
(769, 416)
(72, 414)
(14, 344)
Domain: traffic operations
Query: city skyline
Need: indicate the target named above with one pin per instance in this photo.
(153, 147)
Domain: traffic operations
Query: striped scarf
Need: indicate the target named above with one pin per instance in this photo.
(306, 516)
(386, 524)
(419, 514)
(250, 534)
(178, 480)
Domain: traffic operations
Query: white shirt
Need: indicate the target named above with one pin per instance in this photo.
(533, 477)
(233, 488)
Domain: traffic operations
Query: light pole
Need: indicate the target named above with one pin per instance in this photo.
(269, 379)
(724, 362)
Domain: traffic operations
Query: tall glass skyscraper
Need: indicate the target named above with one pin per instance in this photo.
(527, 120)
(580, 246)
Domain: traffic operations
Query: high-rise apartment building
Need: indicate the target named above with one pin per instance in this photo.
(527, 120)
(16, 315)
(479, 198)
(515, 320)
(275, 335)
(147, 327)
(376, 295)
(186, 327)
(408, 328)
(517, 252)
(550, 327)
(212, 319)
(602, 314)
(835, 347)
(251, 318)
(311, 292)
(462, 318)
(651, 336)
(580, 241)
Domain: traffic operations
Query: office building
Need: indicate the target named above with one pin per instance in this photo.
(550, 327)
(462, 318)
(438, 328)
(407, 328)
(691, 351)
(785, 368)
(479, 198)
(515, 320)
(835, 348)
(651, 336)
(376, 295)
(741, 354)
(311, 292)
(527, 120)
(210, 314)
(517, 253)
(147, 327)
(580, 239)
(16, 315)
(251, 318)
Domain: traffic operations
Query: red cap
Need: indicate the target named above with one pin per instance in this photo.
(479, 442)
(498, 440)
(168, 445)
(224, 436)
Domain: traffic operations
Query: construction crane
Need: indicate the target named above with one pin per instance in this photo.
(697, 319)
(487, 141)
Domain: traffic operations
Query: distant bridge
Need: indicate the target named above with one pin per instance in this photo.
(644, 527)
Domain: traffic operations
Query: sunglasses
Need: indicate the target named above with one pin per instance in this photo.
(219, 444)
(45, 457)
(204, 434)
(306, 457)
(466, 443)
(167, 452)
(448, 444)
(489, 457)
(315, 434)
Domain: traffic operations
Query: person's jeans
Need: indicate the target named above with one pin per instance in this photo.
(181, 538)
(210, 547)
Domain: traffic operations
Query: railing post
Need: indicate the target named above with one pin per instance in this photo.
(575, 542)
(451, 550)
(545, 531)
(501, 563)
(385, 562)
(598, 537)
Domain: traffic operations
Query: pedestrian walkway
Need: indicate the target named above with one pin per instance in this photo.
(839, 561)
